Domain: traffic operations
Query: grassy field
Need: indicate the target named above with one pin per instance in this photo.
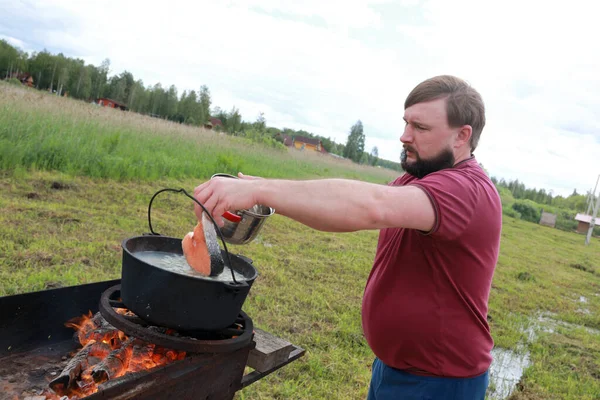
(64, 227)
(41, 131)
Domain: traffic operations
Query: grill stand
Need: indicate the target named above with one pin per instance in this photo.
(34, 339)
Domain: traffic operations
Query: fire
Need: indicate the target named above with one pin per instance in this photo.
(107, 353)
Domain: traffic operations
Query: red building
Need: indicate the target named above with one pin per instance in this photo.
(213, 123)
(103, 101)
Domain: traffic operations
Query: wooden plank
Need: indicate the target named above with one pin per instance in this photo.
(269, 352)
(254, 376)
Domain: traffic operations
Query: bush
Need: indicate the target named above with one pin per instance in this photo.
(506, 197)
(511, 212)
(14, 81)
(529, 210)
(565, 220)
(258, 136)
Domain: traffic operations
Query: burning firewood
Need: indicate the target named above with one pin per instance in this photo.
(77, 364)
(162, 355)
(90, 327)
(115, 364)
(141, 358)
(106, 335)
(108, 353)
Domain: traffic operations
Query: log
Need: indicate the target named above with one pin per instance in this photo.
(100, 322)
(115, 364)
(103, 334)
(94, 329)
(76, 365)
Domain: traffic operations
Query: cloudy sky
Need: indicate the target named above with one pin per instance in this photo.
(322, 65)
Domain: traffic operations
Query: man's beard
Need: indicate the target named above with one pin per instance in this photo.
(422, 168)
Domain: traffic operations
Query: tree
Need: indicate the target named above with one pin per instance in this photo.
(261, 122)
(138, 98)
(190, 108)
(204, 104)
(157, 98)
(355, 146)
(100, 78)
(171, 102)
(374, 155)
(234, 121)
(40, 67)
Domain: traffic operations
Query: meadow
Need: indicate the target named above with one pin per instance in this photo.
(76, 180)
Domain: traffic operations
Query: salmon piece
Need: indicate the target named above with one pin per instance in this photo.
(201, 249)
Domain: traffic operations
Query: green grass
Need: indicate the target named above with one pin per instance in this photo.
(42, 132)
(310, 284)
(60, 228)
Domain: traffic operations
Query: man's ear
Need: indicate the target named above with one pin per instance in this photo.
(464, 136)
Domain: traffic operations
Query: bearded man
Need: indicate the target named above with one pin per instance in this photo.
(425, 304)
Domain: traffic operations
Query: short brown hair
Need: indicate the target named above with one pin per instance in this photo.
(464, 104)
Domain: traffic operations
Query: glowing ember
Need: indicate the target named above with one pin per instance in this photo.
(107, 353)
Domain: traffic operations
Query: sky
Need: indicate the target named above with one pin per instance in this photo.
(322, 65)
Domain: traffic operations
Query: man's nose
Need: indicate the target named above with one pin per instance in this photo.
(407, 136)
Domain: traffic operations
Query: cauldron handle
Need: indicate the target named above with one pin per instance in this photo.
(207, 213)
(235, 288)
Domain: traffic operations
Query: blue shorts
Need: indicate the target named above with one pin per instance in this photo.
(389, 383)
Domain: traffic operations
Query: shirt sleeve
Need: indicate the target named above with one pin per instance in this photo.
(454, 198)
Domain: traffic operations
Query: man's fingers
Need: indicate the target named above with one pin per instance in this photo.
(199, 189)
(218, 216)
(198, 211)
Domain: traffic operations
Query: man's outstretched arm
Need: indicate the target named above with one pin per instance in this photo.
(334, 205)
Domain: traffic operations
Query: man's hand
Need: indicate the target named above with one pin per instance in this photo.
(226, 194)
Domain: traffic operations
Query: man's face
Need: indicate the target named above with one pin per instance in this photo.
(427, 139)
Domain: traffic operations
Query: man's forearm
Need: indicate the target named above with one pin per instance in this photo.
(334, 205)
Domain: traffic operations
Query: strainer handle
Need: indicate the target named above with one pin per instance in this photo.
(232, 217)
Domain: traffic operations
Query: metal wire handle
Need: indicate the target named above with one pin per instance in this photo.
(207, 213)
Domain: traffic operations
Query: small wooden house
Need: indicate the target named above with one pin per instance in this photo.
(213, 123)
(305, 143)
(584, 222)
(105, 102)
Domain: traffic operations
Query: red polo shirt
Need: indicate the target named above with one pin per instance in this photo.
(426, 299)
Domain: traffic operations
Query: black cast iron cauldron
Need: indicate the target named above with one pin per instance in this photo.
(182, 302)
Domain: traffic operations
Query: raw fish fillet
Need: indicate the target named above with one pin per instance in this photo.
(201, 249)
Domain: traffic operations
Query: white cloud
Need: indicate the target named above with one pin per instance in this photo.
(321, 66)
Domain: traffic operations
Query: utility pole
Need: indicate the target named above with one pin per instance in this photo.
(592, 222)
(592, 198)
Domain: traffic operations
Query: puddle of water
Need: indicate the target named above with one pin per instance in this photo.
(546, 322)
(505, 372)
(508, 366)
